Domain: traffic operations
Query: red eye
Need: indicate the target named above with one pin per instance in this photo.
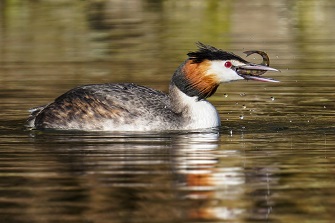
(228, 64)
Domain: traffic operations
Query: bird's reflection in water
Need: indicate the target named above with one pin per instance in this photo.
(163, 177)
(213, 188)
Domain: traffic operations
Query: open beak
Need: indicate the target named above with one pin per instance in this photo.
(253, 72)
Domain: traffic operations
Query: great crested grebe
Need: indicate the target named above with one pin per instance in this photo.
(130, 107)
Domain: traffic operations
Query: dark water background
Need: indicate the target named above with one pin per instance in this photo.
(273, 159)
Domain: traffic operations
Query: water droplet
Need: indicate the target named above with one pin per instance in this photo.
(324, 106)
(290, 120)
(231, 132)
(241, 117)
(244, 107)
(272, 98)
(225, 95)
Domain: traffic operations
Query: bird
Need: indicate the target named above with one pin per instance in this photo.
(132, 107)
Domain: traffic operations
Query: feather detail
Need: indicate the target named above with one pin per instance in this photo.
(199, 79)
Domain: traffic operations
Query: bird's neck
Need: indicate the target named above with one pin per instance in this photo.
(194, 113)
(187, 98)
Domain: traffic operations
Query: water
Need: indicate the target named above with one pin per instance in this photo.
(275, 164)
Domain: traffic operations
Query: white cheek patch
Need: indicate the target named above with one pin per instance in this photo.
(224, 74)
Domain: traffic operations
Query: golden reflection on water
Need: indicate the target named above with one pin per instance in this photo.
(275, 164)
(170, 176)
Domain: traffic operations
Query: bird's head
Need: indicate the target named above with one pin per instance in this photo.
(206, 68)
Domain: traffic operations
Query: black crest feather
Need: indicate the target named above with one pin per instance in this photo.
(207, 52)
